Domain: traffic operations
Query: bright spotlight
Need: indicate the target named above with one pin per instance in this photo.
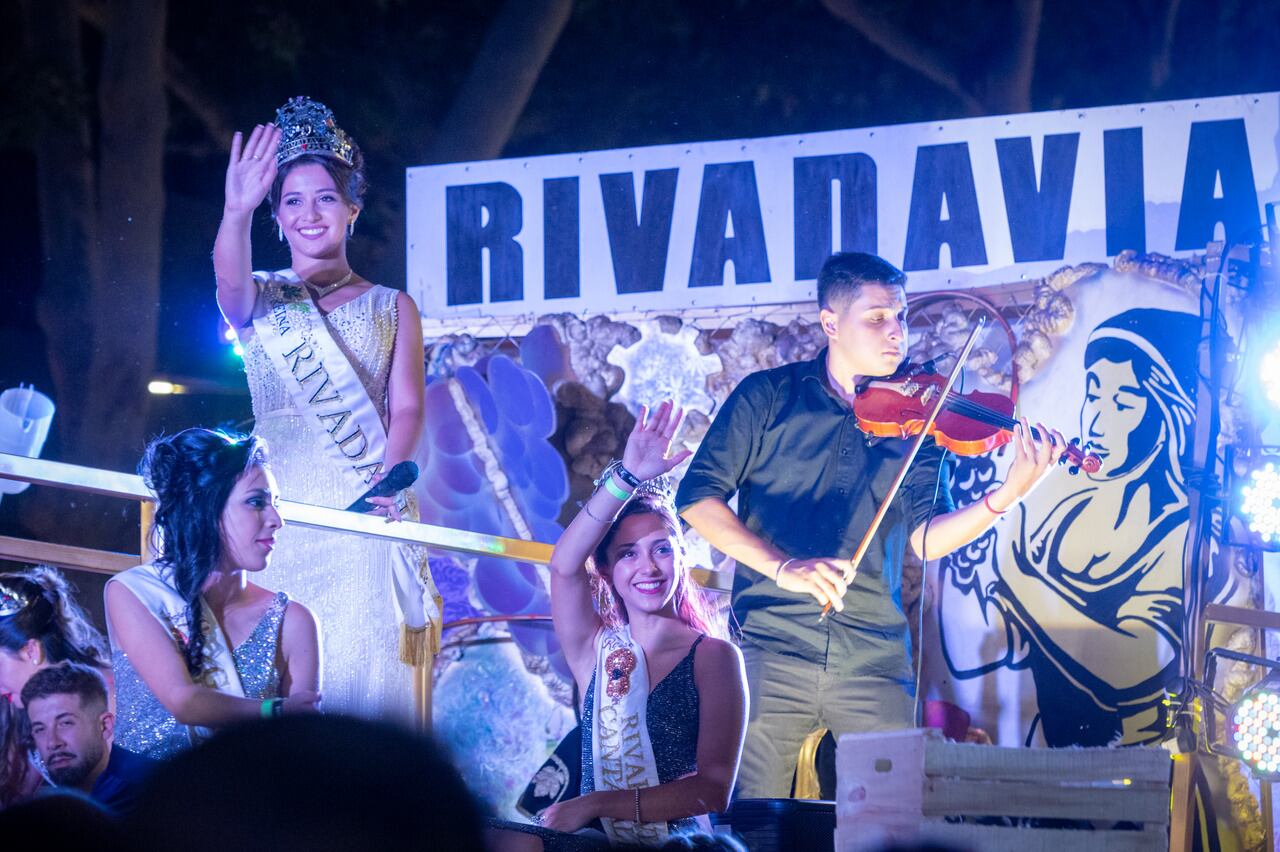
(1255, 728)
(1260, 503)
(1269, 374)
(159, 387)
(1249, 727)
(1252, 485)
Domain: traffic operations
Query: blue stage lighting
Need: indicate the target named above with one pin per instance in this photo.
(1269, 373)
(229, 337)
(1260, 503)
(1255, 728)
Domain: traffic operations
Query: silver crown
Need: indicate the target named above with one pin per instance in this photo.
(662, 489)
(308, 127)
(12, 601)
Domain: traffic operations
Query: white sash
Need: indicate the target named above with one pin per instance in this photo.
(323, 385)
(332, 400)
(152, 585)
(622, 753)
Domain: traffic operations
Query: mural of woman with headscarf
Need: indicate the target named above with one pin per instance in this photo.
(1092, 602)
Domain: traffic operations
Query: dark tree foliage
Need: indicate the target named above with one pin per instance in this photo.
(619, 74)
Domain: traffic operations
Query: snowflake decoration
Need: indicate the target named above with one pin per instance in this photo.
(665, 364)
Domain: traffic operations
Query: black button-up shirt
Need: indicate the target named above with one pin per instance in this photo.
(809, 481)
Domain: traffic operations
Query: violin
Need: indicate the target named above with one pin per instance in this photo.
(969, 424)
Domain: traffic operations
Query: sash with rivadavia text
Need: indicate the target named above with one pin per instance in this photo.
(622, 753)
(153, 586)
(328, 394)
(323, 385)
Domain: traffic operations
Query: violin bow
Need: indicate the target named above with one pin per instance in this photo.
(911, 456)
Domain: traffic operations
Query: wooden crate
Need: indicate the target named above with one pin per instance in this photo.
(915, 786)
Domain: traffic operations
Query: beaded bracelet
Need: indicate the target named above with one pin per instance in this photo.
(637, 804)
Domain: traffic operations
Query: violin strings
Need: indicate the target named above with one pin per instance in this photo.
(977, 411)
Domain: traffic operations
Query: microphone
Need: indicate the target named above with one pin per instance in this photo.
(398, 478)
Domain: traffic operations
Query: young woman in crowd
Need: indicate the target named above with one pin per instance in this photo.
(195, 644)
(664, 696)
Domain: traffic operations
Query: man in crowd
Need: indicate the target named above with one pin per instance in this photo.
(74, 729)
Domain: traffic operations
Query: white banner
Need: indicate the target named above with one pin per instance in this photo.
(954, 203)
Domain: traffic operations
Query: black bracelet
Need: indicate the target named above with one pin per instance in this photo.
(277, 708)
(626, 476)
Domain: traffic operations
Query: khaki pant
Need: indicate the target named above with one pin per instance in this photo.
(791, 697)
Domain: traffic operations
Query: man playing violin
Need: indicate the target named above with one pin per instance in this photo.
(809, 483)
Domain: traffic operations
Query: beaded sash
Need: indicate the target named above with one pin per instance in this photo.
(623, 753)
(324, 386)
(328, 393)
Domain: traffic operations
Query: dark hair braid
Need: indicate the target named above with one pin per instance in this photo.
(192, 474)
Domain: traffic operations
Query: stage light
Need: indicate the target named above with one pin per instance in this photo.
(159, 387)
(230, 338)
(1255, 727)
(1252, 487)
(1269, 373)
(1248, 728)
(1260, 503)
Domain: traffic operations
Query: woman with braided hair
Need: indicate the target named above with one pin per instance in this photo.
(195, 645)
(664, 693)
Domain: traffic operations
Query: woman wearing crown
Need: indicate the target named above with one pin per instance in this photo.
(335, 368)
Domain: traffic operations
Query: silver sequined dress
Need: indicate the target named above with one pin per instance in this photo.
(345, 581)
(145, 727)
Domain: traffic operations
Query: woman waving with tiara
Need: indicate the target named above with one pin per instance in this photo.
(335, 368)
(664, 698)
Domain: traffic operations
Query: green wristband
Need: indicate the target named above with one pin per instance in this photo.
(616, 490)
(265, 711)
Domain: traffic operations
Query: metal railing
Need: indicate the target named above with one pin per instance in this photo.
(127, 486)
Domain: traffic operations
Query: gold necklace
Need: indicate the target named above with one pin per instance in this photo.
(321, 292)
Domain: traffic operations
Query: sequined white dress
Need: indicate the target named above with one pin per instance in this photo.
(346, 581)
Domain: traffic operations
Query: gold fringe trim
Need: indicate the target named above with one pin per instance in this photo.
(419, 645)
(807, 786)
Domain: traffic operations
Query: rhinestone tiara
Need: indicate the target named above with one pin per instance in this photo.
(308, 127)
(12, 601)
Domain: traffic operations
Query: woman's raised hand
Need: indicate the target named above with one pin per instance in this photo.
(252, 168)
(647, 445)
